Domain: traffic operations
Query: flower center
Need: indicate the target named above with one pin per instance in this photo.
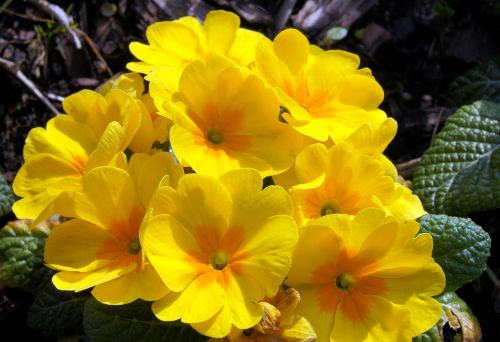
(330, 208)
(344, 281)
(134, 247)
(215, 136)
(219, 260)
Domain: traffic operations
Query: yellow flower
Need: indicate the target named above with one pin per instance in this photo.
(93, 133)
(367, 139)
(179, 42)
(226, 118)
(343, 180)
(366, 278)
(154, 128)
(220, 246)
(324, 92)
(97, 111)
(101, 246)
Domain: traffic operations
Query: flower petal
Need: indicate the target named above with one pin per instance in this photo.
(173, 252)
(77, 245)
(144, 284)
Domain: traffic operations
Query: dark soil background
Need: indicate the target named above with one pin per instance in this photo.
(414, 48)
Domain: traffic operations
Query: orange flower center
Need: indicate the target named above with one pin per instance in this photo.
(330, 208)
(134, 247)
(215, 136)
(344, 281)
(219, 260)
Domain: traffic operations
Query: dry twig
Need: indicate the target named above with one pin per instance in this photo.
(14, 69)
(407, 169)
(61, 16)
(94, 49)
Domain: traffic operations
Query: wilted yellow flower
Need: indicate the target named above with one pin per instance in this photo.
(341, 180)
(179, 42)
(226, 118)
(366, 278)
(323, 92)
(101, 246)
(279, 323)
(93, 133)
(220, 246)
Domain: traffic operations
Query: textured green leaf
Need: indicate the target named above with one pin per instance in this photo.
(21, 253)
(57, 313)
(460, 172)
(432, 335)
(461, 247)
(6, 197)
(457, 323)
(479, 83)
(132, 322)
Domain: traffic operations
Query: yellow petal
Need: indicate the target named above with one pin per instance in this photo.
(76, 245)
(171, 249)
(385, 322)
(271, 250)
(78, 281)
(199, 301)
(292, 47)
(118, 204)
(252, 205)
(220, 29)
(150, 171)
(79, 105)
(217, 326)
(317, 245)
(144, 284)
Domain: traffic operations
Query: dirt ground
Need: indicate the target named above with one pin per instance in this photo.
(414, 48)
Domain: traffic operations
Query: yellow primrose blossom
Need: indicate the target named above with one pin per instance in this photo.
(366, 278)
(367, 139)
(344, 180)
(97, 111)
(220, 246)
(154, 128)
(179, 42)
(324, 93)
(101, 246)
(93, 133)
(226, 118)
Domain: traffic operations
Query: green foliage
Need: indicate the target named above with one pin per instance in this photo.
(57, 313)
(460, 172)
(457, 322)
(479, 83)
(21, 255)
(431, 335)
(6, 197)
(132, 322)
(461, 247)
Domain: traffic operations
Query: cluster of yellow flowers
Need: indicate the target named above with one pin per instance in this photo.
(329, 252)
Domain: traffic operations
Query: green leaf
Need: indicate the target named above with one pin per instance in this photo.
(57, 313)
(6, 197)
(479, 83)
(460, 172)
(457, 322)
(21, 253)
(431, 335)
(461, 247)
(132, 322)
